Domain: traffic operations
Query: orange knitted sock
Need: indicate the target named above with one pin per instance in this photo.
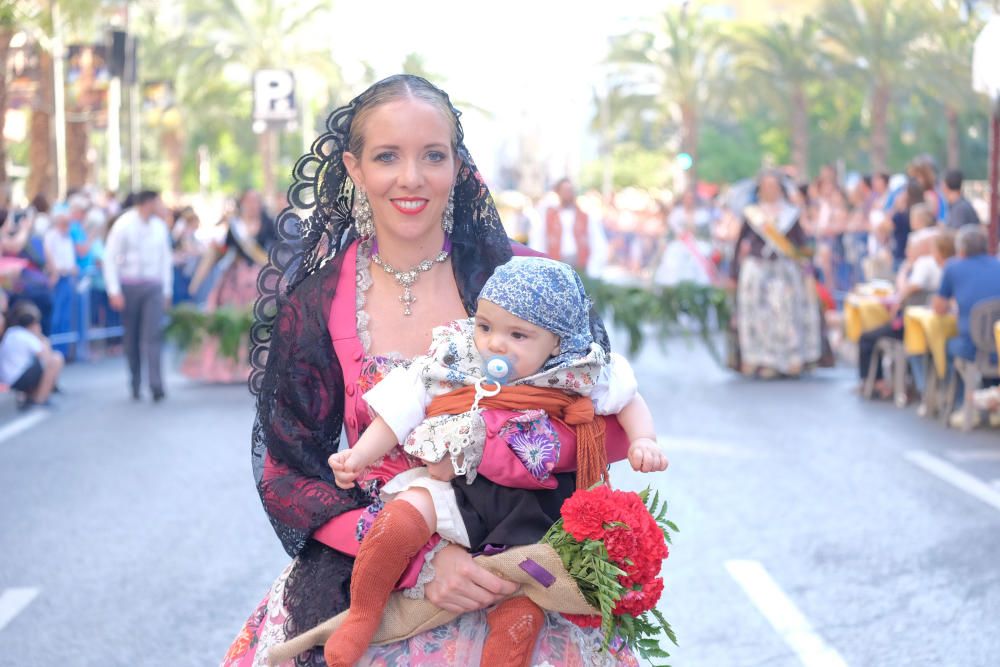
(396, 535)
(514, 626)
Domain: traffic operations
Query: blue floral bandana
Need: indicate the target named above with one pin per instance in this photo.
(548, 294)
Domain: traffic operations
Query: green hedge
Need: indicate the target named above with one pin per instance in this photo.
(685, 309)
(189, 326)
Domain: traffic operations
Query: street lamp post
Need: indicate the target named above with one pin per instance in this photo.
(986, 80)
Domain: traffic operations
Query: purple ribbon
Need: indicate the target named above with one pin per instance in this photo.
(491, 550)
(537, 572)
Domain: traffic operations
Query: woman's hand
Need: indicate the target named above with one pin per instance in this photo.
(460, 585)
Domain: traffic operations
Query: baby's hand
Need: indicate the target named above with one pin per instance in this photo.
(645, 456)
(343, 471)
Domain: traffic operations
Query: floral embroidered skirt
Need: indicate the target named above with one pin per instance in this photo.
(560, 643)
(778, 316)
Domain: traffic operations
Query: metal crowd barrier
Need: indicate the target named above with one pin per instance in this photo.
(84, 332)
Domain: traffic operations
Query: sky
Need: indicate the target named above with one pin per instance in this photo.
(531, 63)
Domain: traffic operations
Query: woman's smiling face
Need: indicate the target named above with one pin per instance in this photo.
(407, 167)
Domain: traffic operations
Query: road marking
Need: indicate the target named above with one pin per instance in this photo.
(13, 601)
(699, 446)
(22, 424)
(963, 455)
(959, 478)
(783, 615)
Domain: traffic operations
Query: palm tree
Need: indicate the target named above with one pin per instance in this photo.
(945, 64)
(35, 17)
(675, 69)
(8, 22)
(875, 41)
(781, 60)
(242, 36)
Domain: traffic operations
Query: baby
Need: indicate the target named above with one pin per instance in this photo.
(528, 347)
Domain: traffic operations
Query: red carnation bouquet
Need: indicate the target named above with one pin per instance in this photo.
(613, 544)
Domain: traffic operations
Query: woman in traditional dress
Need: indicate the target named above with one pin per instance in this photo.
(367, 268)
(777, 325)
(687, 255)
(240, 256)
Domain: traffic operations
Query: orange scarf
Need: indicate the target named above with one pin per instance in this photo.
(578, 411)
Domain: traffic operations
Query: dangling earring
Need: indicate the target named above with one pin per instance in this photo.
(362, 212)
(448, 219)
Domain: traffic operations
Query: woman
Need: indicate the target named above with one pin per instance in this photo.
(188, 250)
(777, 321)
(346, 313)
(241, 255)
(686, 258)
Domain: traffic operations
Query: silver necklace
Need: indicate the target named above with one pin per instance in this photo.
(406, 279)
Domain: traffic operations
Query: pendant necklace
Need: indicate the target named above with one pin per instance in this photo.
(406, 279)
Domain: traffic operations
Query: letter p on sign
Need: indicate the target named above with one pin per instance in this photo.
(274, 95)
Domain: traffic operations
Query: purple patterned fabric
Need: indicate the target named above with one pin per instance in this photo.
(534, 442)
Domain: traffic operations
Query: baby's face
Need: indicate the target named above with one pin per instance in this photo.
(526, 345)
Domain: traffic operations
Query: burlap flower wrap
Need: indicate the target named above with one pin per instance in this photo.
(536, 568)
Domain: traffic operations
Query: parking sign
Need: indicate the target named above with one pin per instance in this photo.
(274, 95)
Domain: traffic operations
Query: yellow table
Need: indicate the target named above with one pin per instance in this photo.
(863, 313)
(926, 332)
(996, 336)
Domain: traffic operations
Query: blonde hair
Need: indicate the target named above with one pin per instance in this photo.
(399, 87)
(944, 244)
(921, 212)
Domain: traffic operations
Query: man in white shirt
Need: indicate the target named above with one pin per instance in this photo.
(60, 264)
(138, 272)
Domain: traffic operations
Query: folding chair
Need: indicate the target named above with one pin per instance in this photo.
(984, 367)
(892, 350)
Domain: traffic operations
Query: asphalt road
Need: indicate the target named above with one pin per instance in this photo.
(816, 529)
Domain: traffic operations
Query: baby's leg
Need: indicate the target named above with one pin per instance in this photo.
(396, 535)
(420, 498)
(514, 626)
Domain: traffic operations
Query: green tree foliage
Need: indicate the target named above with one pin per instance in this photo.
(781, 60)
(870, 83)
(633, 165)
(210, 56)
(675, 69)
(874, 42)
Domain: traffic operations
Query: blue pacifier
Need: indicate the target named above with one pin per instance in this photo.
(499, 369)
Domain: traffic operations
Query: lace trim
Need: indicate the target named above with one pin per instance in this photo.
(427, 573)
(472, 455)
(364, 282)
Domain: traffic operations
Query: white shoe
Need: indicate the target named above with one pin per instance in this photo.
(994, 419)
(957, 419)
